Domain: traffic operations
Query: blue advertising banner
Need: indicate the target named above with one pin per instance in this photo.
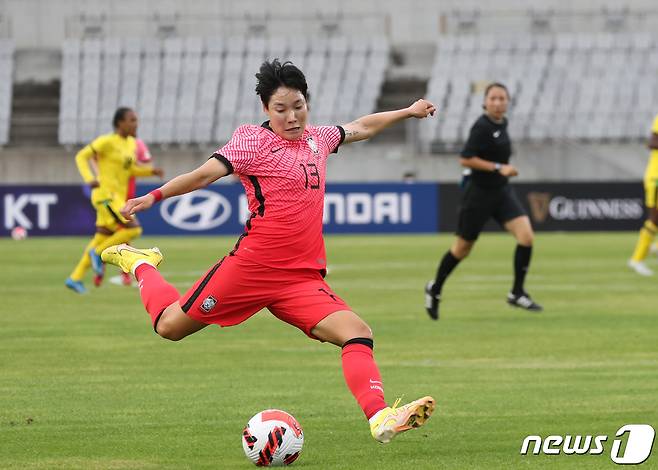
(222, 209)
(46, 210)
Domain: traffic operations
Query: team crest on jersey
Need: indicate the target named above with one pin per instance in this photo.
(312, 145)
(208, 304)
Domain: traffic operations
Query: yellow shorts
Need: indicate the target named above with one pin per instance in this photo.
(650, 192)
(107, 210)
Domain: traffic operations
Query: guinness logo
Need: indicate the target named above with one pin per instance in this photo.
(539, 204)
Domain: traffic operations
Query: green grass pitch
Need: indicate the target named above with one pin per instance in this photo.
(85, 383)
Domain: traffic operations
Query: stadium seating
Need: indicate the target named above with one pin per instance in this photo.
(591, 86)
(196, 91)
(6, 73)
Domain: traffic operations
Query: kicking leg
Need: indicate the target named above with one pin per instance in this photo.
(158, 296)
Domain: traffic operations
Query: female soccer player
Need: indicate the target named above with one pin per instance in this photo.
(650, 227)
(488, 194)
(279, 261)
(114, 156)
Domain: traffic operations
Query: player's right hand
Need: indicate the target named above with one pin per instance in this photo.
(508, 170)
(94, 184)
(138, 204)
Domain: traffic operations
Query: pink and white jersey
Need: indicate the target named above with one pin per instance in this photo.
(142, 152)
(284, 181)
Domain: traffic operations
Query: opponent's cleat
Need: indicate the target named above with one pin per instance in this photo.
(432, 301)
(98, 278)
(76, 286)
(640, 268)
(128, 258)
(523, 301)
(96, 262)
(390, 422)
(126, 279)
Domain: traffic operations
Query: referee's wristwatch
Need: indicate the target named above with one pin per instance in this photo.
(497, 167)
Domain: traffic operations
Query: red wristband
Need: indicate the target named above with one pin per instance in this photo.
(157, 195)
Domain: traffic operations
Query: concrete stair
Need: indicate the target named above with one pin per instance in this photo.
(34, 114)
(398, 93)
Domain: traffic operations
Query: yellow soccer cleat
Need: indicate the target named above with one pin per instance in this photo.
(128, 258)
(390, 422)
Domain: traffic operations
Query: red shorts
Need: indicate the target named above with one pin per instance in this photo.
(235, 289)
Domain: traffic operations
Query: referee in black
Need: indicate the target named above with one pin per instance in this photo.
(488, 194)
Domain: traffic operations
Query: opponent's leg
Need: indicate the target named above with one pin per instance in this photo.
(74, 281)
(645, 239)
(124, 235)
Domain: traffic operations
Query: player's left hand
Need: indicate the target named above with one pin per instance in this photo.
(158, 172)
(422, 108)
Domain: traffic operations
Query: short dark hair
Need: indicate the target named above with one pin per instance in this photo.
(120, 115)
(495, 85)
(275, 74)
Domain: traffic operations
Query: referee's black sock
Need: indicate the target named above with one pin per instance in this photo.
(448, 263)
(521, 263)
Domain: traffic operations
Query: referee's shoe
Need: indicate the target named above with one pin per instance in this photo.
(432, 301)
(524, 301)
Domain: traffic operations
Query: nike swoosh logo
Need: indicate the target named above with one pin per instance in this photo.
(496, 134)
(132, 250)
(276, 150)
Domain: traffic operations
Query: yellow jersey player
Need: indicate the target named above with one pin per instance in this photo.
(115, 162)
(650, 227)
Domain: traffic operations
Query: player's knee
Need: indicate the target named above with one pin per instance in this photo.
(526, 238)
(653, 217)
(361, 330)
(168, 330)
(461, 251)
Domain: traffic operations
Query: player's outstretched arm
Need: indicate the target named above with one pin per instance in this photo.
(210, 171)
(368, 126)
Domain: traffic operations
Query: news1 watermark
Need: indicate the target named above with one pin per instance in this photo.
(632, 444)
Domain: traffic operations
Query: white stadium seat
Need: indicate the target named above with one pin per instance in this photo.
(6, 87)
(565, 86)
(197, 91)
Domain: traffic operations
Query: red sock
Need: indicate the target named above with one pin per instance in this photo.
(362, 375)
(157, 294)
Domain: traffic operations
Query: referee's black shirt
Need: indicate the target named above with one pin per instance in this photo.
(489, 141)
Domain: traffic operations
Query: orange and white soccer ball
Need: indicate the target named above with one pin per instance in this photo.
(272, 438)
(18, 233)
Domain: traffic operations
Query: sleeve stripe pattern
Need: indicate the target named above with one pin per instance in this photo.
(342, 138)
(224, 160)
(259, 195)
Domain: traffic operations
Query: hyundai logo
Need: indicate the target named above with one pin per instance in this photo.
(200, 210)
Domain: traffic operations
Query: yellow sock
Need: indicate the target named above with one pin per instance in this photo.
(120, 236)
(84, 264)
(647, 234)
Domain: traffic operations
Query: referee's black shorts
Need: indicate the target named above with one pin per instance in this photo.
(479, 204)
